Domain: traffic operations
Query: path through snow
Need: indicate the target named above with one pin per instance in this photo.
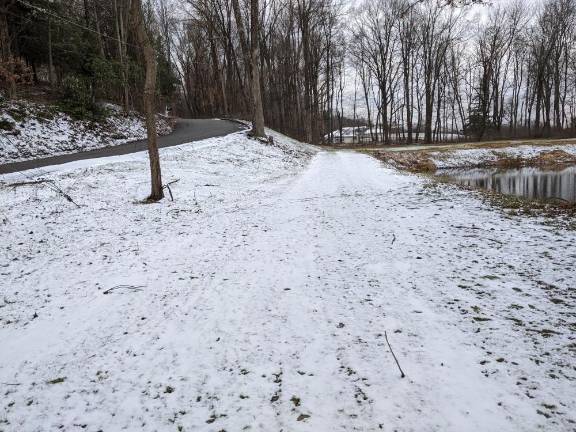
(264, 293)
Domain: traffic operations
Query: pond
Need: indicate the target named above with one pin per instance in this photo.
(532, 183)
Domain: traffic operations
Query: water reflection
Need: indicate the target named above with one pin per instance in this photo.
(531, 183)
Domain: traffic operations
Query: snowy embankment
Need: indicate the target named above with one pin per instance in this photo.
(421, 159)
(493, 157)
(30, 130)
(259, 298)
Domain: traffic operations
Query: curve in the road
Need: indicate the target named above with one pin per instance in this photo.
(185, 130)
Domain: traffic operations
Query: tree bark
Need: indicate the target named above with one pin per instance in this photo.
(6, 57)
(120, 39)
(156, 192)
(258, 117)
(50, 56)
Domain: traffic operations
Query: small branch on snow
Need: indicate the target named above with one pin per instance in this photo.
(393, 238)
(167, 186)
(50, 183)
(28, 183)
(56, 188)
(127, 287)
(402, 374)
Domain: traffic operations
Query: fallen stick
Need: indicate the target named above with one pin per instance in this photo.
(56, 188)
(128, 287)
(27, 183)
(402, 374)
(50, 183)
(167, 186)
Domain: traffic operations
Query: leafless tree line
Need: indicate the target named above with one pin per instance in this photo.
(408, 70)
(420, 70)
(432, 73)
(293, 45)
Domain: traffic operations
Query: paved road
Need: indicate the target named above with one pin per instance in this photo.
(186, 130)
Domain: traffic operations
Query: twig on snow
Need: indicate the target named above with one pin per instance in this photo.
(402, 374)
(28, 183)
(167, 186)
(57, 188)
(128, 287)
(50, 183)
(393, 238)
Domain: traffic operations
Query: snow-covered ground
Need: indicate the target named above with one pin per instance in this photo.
(482, 157)
(30, 130)
(259, 299)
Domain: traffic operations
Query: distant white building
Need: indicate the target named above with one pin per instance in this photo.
(362, 134)
(348, 135)
(354, 135)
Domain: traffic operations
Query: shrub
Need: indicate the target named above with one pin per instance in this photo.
(6, 125)
(77, 100)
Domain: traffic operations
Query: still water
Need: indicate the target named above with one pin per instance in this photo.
(533, 183)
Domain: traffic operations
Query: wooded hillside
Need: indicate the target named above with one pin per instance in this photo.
(409, 70)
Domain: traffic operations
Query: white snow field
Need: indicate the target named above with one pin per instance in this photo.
(259, 298)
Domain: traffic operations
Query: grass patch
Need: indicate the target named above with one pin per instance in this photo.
(6, 125)
(18, 113)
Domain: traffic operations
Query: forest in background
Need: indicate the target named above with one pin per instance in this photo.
(417, 69)
(78, 53)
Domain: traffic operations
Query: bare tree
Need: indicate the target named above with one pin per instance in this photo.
(258, 120)
(138, 23)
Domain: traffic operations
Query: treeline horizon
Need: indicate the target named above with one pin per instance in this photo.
(430, 70)
(418, 69)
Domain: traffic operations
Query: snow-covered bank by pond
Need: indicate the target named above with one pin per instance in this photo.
(30, 130)
(476, 155)
(259, 298)
(521, 155)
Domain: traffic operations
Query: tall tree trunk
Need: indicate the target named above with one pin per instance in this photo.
(258, 118)
(99, 32)
(157, 192)
(245, 52)
(304, 27)
(407, 96)
(429, 108)
(120, 38)
(6, 57)
(50, 57)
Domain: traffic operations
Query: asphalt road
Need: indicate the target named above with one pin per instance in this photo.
(186, 130)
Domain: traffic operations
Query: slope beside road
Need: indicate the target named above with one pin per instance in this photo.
(185, 130)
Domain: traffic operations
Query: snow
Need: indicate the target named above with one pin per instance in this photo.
(258, 299)
(37, 130)
(478, 157)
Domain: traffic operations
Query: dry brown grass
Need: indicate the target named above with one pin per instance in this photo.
(440, 147)
(421, 160)
(553, 158)
(410, 161)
